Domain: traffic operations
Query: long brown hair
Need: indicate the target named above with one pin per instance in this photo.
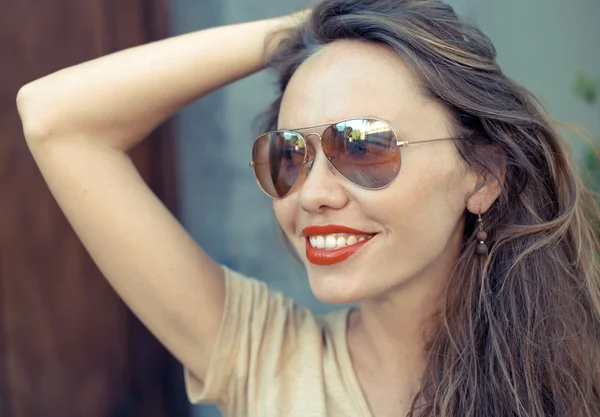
(520, 330)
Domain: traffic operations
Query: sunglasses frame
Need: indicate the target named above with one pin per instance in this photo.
(309, 160)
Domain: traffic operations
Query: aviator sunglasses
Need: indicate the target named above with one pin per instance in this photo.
(364, 150)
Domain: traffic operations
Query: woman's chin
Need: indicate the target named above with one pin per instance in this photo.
(333, 289)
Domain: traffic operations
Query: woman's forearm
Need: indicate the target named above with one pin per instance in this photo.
(119, 98)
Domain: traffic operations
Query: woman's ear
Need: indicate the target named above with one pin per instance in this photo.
(490, 180)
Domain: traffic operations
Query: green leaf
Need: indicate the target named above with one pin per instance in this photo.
(586, 88)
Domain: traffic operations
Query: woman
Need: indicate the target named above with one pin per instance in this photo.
(410, 176)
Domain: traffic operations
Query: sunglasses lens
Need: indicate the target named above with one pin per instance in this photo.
(364, 151)
(278, 159)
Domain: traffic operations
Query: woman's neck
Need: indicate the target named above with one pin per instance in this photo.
(388, 335)
(395, 331)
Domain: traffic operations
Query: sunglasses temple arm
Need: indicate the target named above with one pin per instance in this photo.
(405, 143)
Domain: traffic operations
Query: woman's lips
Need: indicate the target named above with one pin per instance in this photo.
(324, 257)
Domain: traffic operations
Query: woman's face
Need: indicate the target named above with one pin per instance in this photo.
(414, 225)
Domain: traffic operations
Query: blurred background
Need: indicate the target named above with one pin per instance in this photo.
(68, 346)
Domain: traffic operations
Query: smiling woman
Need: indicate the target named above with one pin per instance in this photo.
(429, 187)
(470, 255)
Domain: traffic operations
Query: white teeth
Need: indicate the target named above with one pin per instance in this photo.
(330, 242)
(320, 242)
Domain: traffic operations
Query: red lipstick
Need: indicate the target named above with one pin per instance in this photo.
(324, 257)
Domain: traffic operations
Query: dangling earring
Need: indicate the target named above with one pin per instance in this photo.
(481, 236)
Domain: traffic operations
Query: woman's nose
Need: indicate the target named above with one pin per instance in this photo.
(309, 163)
(322, 187)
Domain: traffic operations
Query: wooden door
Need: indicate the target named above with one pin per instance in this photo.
(68, 346)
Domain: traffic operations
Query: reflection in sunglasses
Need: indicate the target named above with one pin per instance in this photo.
(364, 150)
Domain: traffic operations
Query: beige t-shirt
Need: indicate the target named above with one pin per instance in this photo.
(273, 358)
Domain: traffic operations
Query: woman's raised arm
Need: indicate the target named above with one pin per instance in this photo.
(79, 122)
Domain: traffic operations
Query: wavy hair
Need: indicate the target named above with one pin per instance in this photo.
(519, 331)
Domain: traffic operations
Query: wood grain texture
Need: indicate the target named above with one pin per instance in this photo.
(68, 345)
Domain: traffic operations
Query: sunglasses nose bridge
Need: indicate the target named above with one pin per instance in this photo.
(310, 160)
(313, 134)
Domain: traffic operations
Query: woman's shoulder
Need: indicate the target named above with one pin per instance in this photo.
(280, 351)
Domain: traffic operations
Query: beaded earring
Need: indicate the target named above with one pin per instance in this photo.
(481, 236)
